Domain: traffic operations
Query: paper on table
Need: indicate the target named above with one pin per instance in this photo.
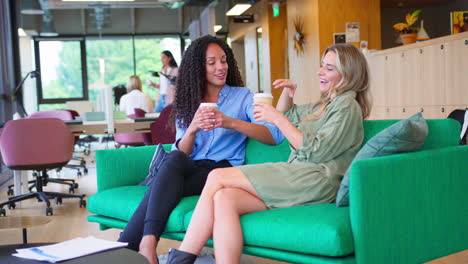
(69, 249)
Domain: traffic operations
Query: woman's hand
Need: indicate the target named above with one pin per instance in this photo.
(267, 113)
(204, 118)
(152, 84)
(218, 119)
(285, 83)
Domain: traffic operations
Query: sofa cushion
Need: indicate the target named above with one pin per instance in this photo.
(320, 229)
(121, 203)
(404, 136)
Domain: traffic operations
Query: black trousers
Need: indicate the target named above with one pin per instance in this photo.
(179, 176)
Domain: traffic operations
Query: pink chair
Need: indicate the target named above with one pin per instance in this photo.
(131, 139)
(146, 136)
(161, 130)
(64, 115)
(37, 144)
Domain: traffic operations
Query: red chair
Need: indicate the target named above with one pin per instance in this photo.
(62, 115)
(129, 139)
(146, 136)
(37, 144)
(161, 131)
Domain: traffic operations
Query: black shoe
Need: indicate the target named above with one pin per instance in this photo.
(180, 257)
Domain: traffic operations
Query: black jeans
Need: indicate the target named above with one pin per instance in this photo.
(179, 176)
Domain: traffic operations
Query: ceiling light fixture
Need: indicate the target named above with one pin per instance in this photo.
(48, 27)
(217, 28)
(31, 7)
(238, 9)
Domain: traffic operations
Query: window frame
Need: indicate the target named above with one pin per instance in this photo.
(84, 72)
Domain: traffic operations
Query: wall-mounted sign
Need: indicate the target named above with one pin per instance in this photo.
(352, 32)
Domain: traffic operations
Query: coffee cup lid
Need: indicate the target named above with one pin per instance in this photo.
(259, 95)
(209, 104)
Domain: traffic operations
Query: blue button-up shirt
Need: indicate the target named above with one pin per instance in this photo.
(227, 144)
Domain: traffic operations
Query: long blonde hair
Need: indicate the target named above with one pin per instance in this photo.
(352, 65)
(133, 83)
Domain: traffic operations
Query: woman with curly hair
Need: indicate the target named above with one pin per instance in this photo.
(206, 137)
(324, 138)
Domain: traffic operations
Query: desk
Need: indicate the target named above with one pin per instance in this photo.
(115, 256)
(137, 125)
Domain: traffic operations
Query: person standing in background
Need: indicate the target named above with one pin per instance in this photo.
(166, 85)
(135, 98)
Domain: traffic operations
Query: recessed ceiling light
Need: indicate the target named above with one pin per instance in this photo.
(238, 9)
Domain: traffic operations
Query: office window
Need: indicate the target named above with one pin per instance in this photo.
(109, 62)
(148, 57)
(78, 68)
(61, 67)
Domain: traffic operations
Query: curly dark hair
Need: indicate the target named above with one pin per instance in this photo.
(191, 81)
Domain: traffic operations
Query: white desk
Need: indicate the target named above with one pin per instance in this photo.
(137, 125)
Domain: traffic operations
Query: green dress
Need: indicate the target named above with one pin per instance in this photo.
(314, 171)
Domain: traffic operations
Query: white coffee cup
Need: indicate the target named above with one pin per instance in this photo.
(266, 98)
(212, 105)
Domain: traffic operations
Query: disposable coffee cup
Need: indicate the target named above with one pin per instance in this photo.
(266, 98)
(211, 105)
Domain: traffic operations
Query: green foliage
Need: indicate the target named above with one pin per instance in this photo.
(117, 57)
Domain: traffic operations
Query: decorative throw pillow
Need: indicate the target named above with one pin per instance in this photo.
(158, 158)
(404, 136)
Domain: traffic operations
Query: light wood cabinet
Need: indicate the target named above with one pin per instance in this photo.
(429, 77)
(457, 68)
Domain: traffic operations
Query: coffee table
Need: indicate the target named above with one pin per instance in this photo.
(114, 256)
(23, 222)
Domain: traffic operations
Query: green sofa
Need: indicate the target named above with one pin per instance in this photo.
(405, 208)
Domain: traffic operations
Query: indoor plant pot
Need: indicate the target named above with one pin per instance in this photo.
(408, 38)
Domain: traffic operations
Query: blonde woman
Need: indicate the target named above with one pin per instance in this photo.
(135, 98)
(324, 138)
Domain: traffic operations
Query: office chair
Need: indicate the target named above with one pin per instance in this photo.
(161, 130)
(86, 151)
(62, 115)
(37, 144)
(146, 136)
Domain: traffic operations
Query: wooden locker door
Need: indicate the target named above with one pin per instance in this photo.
(393, 76)
(412, 86)
(433, 77)
(377, 80)
(456, 66)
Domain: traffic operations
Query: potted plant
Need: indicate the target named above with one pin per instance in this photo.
(407, 32)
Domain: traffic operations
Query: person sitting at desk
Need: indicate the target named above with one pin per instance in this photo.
(135, 98)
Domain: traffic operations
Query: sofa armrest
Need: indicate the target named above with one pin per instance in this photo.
(122, 167)
(410, 208)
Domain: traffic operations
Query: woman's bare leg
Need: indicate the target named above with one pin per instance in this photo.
(229, 205)
(201, 224)
(148, 246)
